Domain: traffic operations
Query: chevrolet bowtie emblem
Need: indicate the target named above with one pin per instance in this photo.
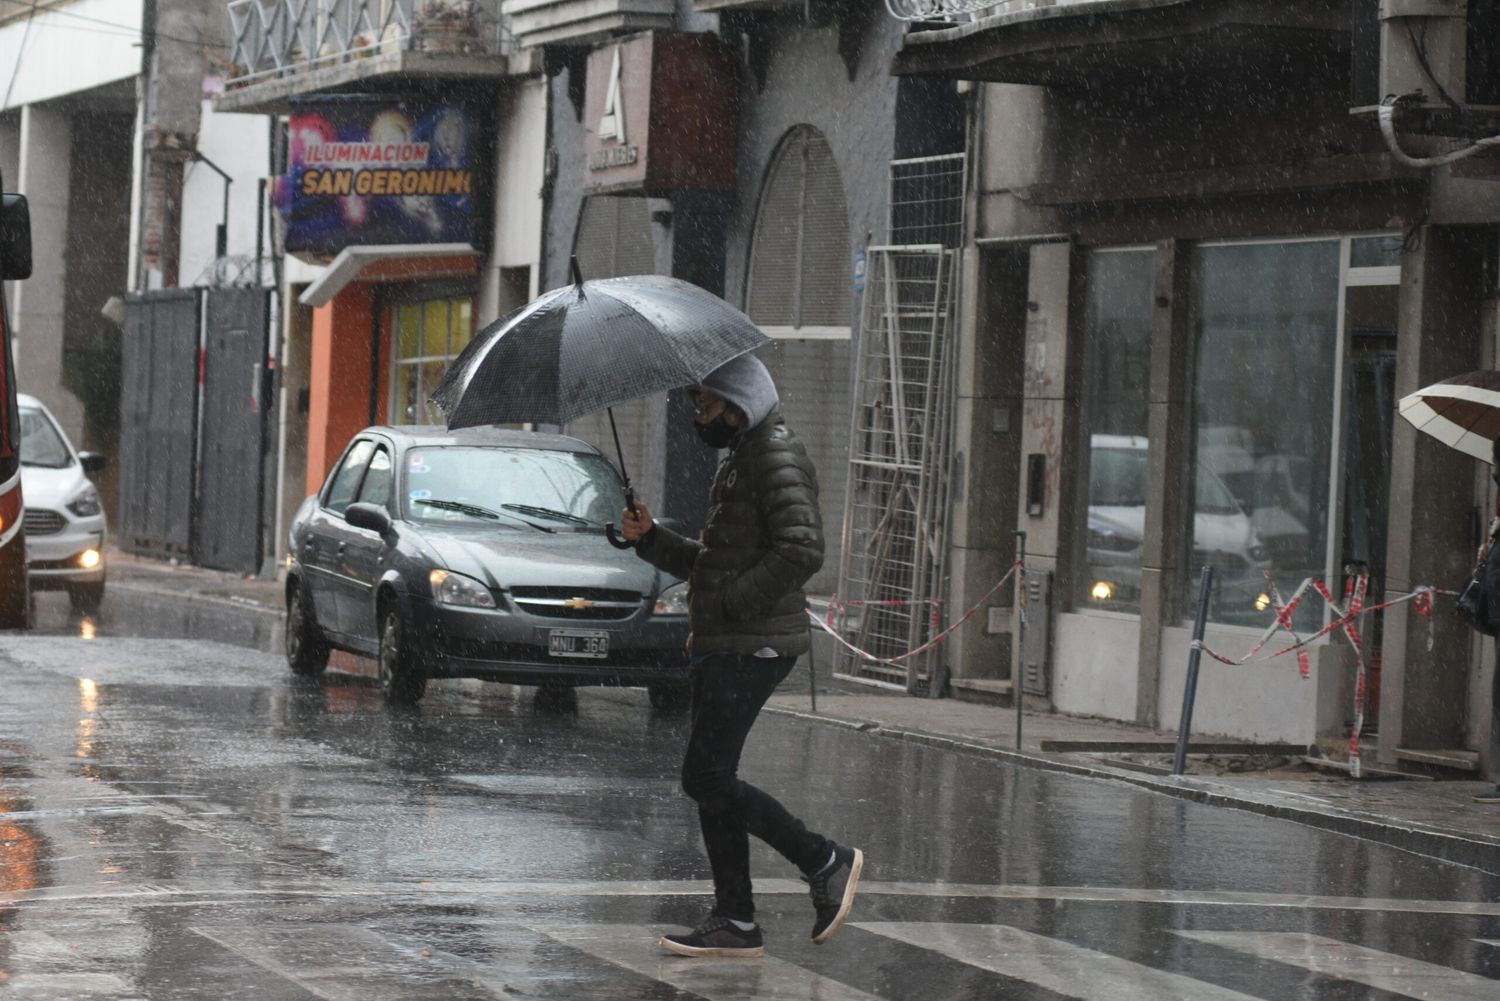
(578, 603)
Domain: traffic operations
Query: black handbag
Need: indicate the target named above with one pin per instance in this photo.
(1474, 602)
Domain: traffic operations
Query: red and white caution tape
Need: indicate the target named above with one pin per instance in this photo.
(933, 622)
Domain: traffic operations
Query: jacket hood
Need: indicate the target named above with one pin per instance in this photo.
(747, 384)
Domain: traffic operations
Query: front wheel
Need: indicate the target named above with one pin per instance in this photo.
(402, 680)
(306, 650)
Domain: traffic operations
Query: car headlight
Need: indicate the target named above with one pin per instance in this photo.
(455, 589)
(672, 601)
(86, 504)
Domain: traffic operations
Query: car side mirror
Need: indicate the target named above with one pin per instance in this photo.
(368, 516)
(92, 462)
(15, 237)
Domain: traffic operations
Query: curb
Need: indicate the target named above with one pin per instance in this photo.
(141, 586)
(1447, 846)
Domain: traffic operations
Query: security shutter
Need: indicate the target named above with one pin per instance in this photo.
(614, 239)
(799, 263)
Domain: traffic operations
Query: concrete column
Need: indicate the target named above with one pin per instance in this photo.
(45, 161)
(1049, 409)
(1432, 510)
(1163, 556)
(987, 455)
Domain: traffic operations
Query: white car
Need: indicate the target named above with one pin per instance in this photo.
(64, 519)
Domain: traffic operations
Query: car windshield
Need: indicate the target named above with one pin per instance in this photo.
(555, 489)
(41, 445)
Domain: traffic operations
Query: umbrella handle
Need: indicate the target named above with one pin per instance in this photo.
(615, 540)
(609, 529)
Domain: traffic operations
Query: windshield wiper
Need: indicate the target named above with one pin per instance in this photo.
(547, 512)
(475, 511)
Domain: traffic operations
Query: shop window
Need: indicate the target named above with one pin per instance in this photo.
(1266, 331)
(799, 283)
(1116, 385)
(427, 336)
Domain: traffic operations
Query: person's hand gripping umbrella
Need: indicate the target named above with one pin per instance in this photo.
(588, 346)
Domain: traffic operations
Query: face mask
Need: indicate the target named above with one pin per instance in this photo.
(717, 433)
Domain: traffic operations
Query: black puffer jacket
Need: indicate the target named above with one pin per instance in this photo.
(764, 539)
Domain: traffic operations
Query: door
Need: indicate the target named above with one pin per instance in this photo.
(327, 539)
(364, 558)
(1370, 394)
(230, 490)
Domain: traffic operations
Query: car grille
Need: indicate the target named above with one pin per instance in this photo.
(552, 602)
(39, 522)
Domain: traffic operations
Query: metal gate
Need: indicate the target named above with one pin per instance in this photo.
(231, 480)
(893, 568)
(159, 423)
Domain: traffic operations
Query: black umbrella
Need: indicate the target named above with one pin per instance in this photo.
(590, 345)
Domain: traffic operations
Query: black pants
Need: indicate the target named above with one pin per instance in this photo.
(728, 693)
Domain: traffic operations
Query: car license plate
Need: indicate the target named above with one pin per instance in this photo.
(592, 643)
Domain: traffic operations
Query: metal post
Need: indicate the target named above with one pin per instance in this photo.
(1018, 663)
(1190, 687)
(812, 672)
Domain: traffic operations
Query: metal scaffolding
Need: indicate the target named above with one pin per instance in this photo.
(893, 568)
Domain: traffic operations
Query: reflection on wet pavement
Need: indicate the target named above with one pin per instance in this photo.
(182, 818)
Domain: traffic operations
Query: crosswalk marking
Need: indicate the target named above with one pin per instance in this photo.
(634, 948)
(39, 965)
(1051, 963)
(1371, 967)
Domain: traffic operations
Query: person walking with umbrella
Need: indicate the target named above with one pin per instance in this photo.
(747, 613)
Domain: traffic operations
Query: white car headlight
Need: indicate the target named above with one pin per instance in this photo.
(86, 504)
(672, 601)
(455, 589)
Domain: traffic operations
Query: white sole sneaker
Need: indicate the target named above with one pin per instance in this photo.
(710, 952)
(847, 903)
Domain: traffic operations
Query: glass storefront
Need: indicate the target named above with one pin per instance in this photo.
(427, 335)
(1266, 328)
(1116, 384)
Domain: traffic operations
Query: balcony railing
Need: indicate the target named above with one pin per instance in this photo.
(968, 10)
(273, 38)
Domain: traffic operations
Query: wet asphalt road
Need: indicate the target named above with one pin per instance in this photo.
(181, 819)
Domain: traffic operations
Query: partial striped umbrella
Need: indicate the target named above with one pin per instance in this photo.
(1462, 412)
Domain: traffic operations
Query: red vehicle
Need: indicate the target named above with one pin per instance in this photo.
(15, 264)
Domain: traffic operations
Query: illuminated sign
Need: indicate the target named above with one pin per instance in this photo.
(365, 170)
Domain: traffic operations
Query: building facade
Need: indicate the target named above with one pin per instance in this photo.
(1196, 285)
(410, 204)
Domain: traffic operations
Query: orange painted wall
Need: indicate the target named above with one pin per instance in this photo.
(339, 383)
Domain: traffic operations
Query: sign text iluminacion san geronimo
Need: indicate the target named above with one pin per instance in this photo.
(345, 181)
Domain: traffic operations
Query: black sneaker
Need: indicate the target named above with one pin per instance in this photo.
(832, 890)
(716, 936)
(1493, 796)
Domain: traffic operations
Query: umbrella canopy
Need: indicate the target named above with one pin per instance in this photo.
(1462, 412)
(589, 346)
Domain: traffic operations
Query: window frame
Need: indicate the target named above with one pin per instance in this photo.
(325, 498)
